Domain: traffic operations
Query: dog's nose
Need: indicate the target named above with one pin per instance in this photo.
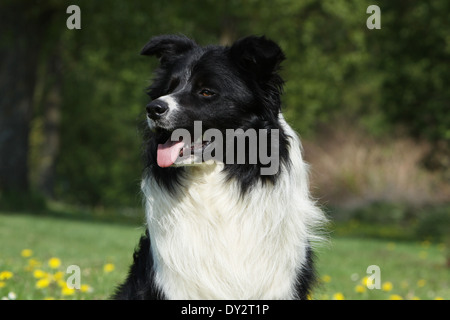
(156, 109)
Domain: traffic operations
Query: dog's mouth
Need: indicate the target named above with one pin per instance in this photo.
(180, 153)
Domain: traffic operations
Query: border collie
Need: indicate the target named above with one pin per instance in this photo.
(222, 227)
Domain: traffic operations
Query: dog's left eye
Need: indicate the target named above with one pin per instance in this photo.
(206, 93)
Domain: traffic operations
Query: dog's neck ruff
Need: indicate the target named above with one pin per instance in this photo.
(208, 242)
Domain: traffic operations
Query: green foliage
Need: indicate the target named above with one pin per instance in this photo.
(17, 201)
(394, 221)
(335, 68)
(434, 224)
(383, 213)
(380, 220)
(413, 55)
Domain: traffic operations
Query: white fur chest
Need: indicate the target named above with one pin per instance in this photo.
(208, 243)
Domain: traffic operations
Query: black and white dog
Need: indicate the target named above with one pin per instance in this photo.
(224, 220)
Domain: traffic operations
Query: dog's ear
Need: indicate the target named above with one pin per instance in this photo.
(166, 47)
(257, 54)
(260, 59)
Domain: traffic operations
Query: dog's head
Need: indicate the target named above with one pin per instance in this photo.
(235, 87)
(213, 83)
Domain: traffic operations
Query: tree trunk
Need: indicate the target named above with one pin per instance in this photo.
(19, 50)
(52, 117)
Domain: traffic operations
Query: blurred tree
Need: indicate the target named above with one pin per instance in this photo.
(23, 32)
(412, 52)
(51, 115)
(49, 100)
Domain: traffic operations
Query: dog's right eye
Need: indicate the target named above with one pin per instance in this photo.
(206, 93)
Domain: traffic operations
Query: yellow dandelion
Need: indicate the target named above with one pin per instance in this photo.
(338, 296)
(326, 278)
(395, 297)
(43, 283)
(26, 253)
(54, 263)
(66, 291)
(61, 283)
(58, 275)
(366, 281)
(5, 275)
(49, 298)
(86, 288)
(32, 263)
(108, 267)
(360, 289)
(38, 274)
(421, 283)
(387, 286)
(438, 298)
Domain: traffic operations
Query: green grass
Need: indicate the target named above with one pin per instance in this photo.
(414, 269)
(90, 245)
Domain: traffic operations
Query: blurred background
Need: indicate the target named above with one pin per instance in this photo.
(372, 107)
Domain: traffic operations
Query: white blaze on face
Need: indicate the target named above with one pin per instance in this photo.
(173, 108)
(170, 100)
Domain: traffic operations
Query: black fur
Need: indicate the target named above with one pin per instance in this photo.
(306, 278)
(140, 283)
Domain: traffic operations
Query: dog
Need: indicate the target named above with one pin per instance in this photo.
(234, 225)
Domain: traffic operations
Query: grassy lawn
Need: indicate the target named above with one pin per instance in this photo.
(103, 251)
(408, 270)
(93, 246)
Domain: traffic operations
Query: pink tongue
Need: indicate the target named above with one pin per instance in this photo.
(168, 153)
